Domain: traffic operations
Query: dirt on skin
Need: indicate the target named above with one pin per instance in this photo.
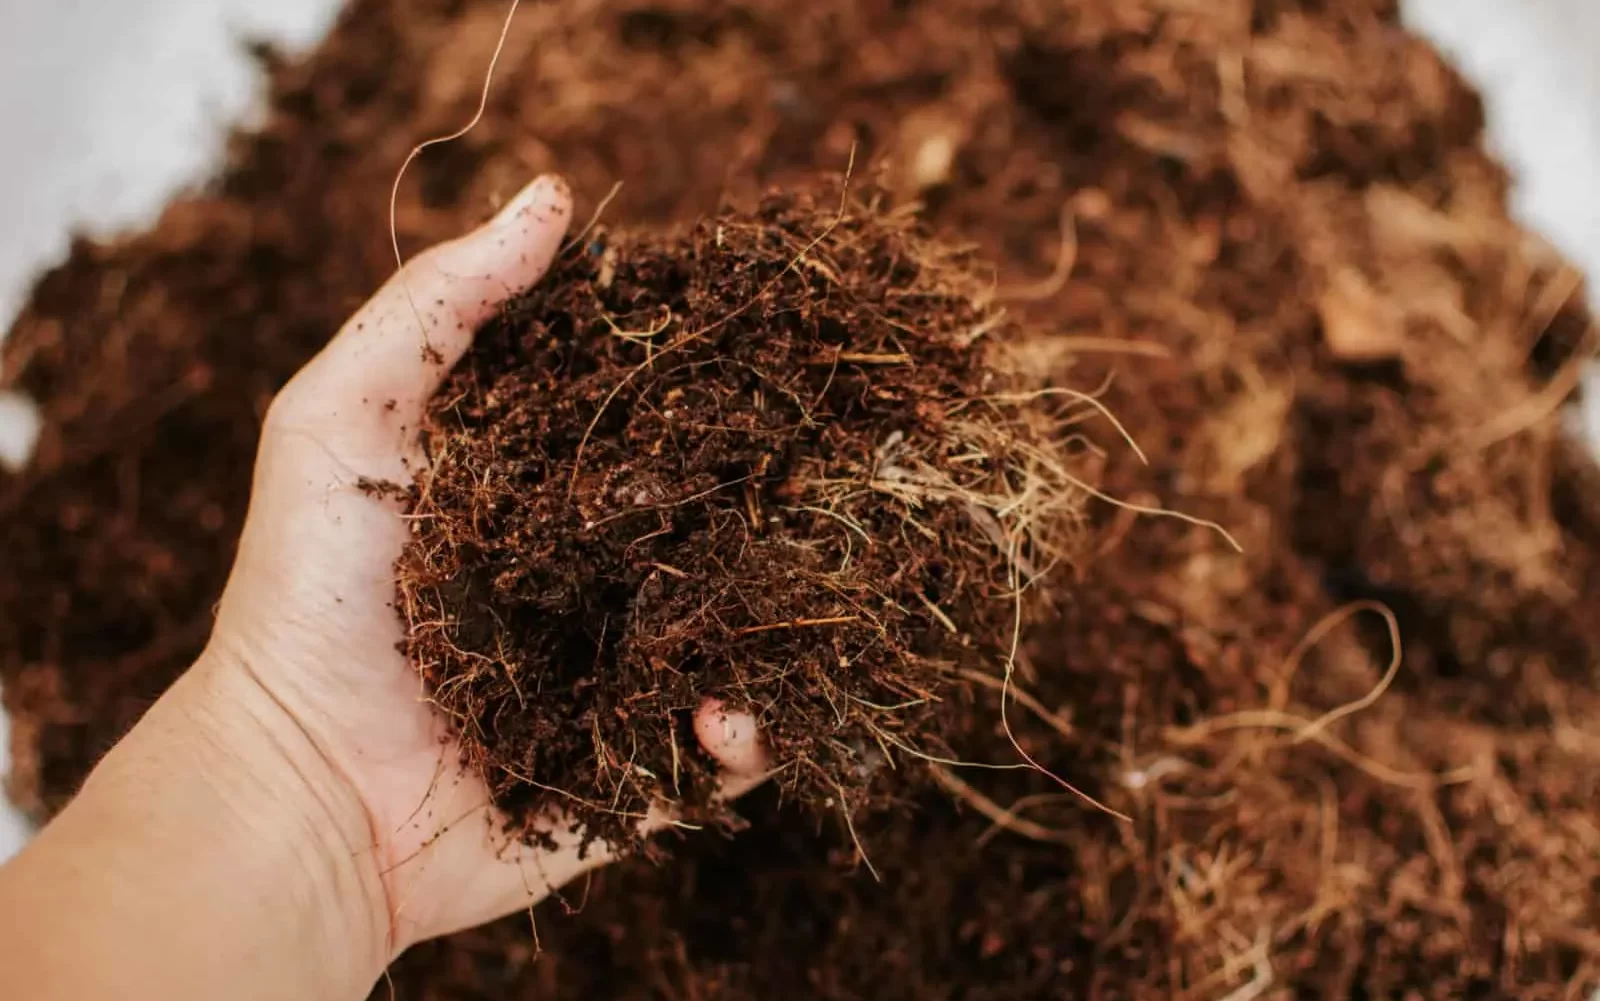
(1268, 229)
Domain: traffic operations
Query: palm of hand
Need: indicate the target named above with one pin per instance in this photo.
(310, 614)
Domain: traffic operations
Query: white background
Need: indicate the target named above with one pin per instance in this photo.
(108, 107)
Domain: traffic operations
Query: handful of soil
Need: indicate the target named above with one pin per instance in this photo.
(777, 460)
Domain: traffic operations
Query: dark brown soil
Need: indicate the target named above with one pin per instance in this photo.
(768, 461)
(1291, 254)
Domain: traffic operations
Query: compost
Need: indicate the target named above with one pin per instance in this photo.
(779, 461)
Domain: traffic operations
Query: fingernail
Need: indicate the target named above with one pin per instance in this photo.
(548, 193)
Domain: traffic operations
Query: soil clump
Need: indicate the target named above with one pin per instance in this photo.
(777, 460)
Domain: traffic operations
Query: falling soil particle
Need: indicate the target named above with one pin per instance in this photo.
(1265, 231)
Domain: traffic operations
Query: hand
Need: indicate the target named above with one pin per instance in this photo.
(307, 636)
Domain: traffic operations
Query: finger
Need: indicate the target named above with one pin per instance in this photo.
(520, 875)
(731, 737)
(379, 371)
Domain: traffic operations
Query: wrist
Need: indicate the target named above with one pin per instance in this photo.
(213, 852)
(286, 801)
(221, 782)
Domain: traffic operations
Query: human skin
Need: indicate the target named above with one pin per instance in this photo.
(292, 814)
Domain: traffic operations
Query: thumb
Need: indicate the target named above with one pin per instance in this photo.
(378, 372)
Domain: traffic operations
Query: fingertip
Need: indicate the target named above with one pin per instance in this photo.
(403, 342)
(731, 736)
(545, 203)
(509, 253)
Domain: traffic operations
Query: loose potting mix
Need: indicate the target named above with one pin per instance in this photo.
(1114, 446)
